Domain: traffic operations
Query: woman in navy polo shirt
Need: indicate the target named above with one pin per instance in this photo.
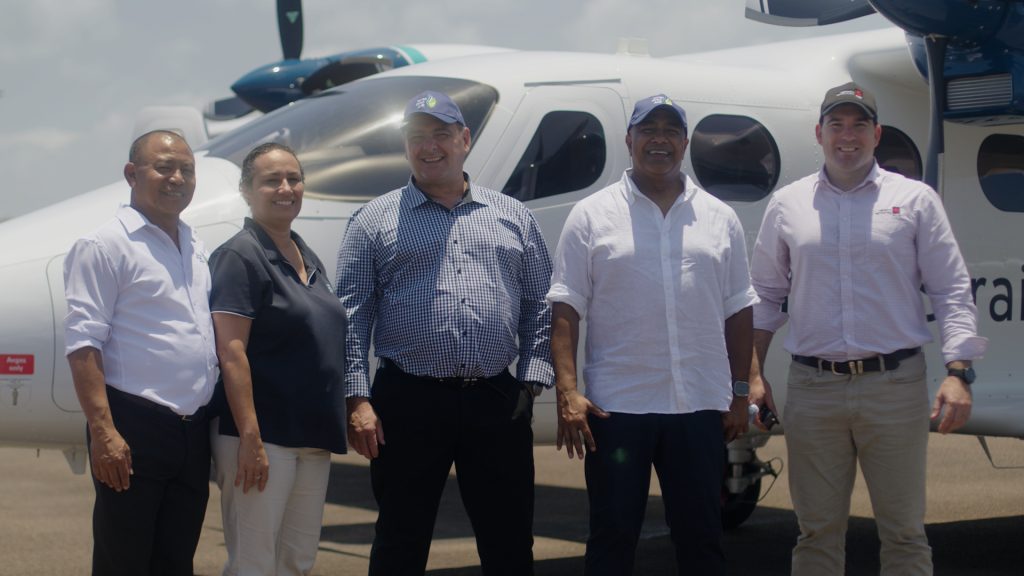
(281, 342)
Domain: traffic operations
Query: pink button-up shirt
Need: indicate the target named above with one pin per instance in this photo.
(853, 264)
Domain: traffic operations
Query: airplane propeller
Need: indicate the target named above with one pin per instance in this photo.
(956, 33)
(289, 27)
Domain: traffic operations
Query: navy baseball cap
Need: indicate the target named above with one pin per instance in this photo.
(647, 105)
(436, 104)
(849, 93)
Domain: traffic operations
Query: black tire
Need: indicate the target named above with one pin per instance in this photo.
(736, 508)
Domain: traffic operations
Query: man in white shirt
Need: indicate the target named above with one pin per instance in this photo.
(658, 268)
(850, 247)
(139, 339)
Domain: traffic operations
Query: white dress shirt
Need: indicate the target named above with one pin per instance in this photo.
(655, 291)
(145, 305)
(853, 264)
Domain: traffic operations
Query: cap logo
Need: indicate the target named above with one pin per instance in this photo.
(857, 93)
(661, 100)
(426, 102)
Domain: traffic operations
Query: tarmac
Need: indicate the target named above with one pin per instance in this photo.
(975, 519)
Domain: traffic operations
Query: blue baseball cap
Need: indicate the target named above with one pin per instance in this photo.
(436, 104)
(647, 105)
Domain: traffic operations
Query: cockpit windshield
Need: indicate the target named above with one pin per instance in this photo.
(348, 138)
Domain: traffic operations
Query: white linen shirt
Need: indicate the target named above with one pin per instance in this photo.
(145, 305)
(655, 292)
(853, 263)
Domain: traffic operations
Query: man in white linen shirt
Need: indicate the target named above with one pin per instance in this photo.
(850, 246)
(658, 267)
(139, 339)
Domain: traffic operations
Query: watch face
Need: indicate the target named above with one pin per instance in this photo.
(740, 388)
(965, 374)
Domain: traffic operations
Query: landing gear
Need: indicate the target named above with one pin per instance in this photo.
(741, 487)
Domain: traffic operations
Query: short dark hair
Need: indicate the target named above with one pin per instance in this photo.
(136, 150)
(265, 148)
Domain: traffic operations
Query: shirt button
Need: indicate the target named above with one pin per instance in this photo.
(464, 332)
(456, 241)
(463, 300)
(459, 271)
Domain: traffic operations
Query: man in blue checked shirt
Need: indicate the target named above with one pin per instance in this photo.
(450, 278)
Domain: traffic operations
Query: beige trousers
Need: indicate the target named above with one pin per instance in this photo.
(879, 420)
(275, 532)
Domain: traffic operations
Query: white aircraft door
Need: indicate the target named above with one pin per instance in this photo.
(983, 193)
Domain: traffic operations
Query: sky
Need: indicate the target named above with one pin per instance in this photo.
(74, 73)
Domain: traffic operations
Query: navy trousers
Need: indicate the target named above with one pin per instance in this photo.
(687, 451)
(485, 431)
(153, 527)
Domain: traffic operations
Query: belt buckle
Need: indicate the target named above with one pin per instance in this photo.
(855, 367)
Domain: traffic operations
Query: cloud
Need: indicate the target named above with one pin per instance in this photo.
(39, 139)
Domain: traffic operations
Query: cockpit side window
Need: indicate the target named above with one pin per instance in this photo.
(567, 153)
(734, 158)
(348, 138)
(1001, 171)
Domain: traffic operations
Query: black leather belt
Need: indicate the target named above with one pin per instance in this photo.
(879, 363)
(453, 382)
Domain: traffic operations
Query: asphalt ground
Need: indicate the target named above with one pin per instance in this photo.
(975, 519)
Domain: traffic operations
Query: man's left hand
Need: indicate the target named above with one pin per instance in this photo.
(734, 422)
(953, 403)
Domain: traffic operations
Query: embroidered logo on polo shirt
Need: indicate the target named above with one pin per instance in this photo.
(894, 211)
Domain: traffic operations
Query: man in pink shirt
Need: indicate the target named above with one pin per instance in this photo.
(850, 247)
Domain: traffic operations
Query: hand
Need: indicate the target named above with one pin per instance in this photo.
(111, 458)
(253, 467)
(573, 430)
(734, 422)
(761, 394)
(954, 398)
(365, 430)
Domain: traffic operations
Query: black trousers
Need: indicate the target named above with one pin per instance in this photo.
(688, 452)
(485, 430)
(153, 527)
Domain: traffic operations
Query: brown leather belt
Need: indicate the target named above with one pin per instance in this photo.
(880, 363)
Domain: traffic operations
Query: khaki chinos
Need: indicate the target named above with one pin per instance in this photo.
(879, 420)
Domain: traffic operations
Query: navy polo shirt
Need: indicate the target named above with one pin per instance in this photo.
(296, 345)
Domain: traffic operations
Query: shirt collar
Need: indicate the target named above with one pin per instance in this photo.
(631, 192)
(273, 254)
(412, 196)
(874, 176)
(133, 221)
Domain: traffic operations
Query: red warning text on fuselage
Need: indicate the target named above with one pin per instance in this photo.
(17, 364)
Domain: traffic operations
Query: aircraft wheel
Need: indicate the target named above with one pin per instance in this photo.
(736, 508)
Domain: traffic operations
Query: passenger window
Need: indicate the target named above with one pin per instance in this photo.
(1001, 171)
(567, 153)
(734, 157)
(896, 152)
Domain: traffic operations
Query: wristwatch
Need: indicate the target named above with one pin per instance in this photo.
(740, 388)
(965, 374)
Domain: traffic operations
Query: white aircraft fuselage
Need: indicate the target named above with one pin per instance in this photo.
(767, 96)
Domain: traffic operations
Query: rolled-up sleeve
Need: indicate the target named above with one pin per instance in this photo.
(770, 272)
(571, 277)
(739, 293)
(91, 288)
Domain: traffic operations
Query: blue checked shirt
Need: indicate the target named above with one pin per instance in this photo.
(445, 292)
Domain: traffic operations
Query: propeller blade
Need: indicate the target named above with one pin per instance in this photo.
(289, 26)
(935, 48)
(806, 12)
